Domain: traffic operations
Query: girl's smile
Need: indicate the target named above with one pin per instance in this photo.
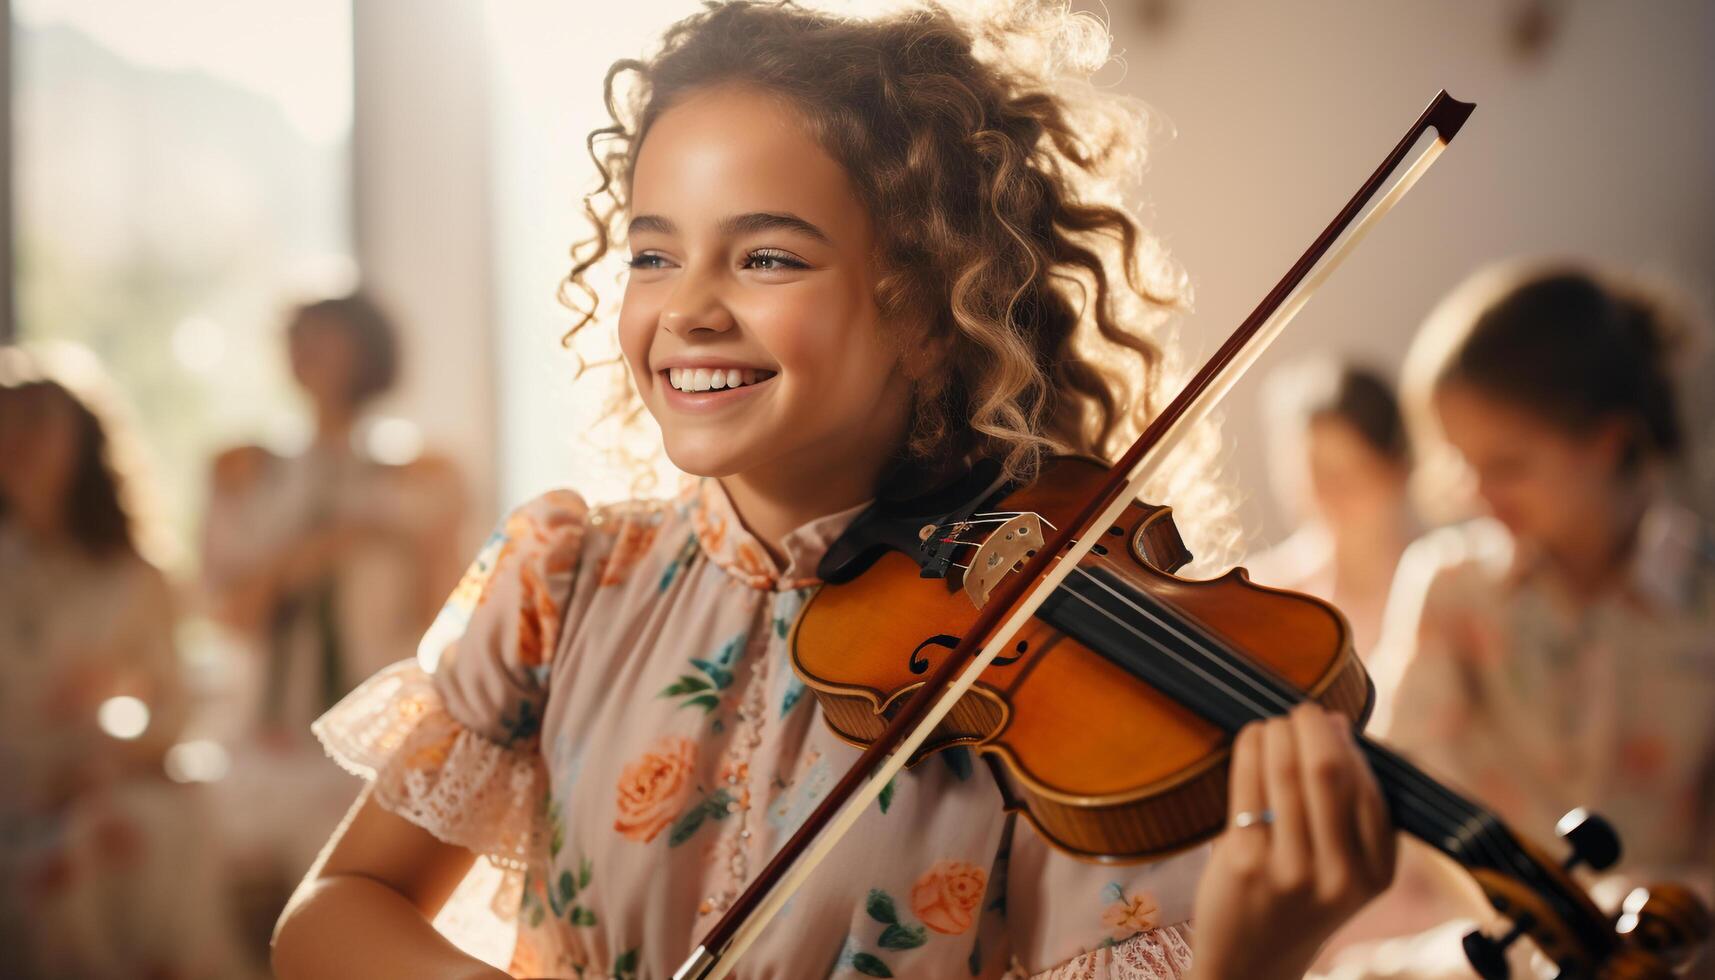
(700, 385)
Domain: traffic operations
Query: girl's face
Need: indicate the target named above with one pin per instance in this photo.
(1543, 483)
(38, 447)
(1349, 480)
(324, 360)
(749, 321)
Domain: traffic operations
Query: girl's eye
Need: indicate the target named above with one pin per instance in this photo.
(648, 260)
(770, 260)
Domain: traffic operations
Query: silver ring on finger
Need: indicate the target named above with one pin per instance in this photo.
(1252, 818)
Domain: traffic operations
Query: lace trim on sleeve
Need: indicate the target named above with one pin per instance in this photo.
(1160, 954)
(427, 768)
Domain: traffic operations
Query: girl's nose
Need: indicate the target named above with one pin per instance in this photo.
(695, 306)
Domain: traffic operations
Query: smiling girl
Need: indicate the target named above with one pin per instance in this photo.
(861, 251)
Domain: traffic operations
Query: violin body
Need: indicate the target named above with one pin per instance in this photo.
(1107, 768)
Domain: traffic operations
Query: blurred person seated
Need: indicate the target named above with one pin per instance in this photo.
(1559, 652)
(327, 565)
(104, 871)
(1341, 463)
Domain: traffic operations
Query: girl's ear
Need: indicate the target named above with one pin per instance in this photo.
(1614, 443)
(924, 356)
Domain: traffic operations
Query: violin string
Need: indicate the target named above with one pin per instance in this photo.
(1467, 823)
(1472, 822)
(1419, 798)
(1424, 806)
(1002, 516)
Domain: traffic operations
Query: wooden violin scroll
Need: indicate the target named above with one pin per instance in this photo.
(1658, 930)
(1663, 925)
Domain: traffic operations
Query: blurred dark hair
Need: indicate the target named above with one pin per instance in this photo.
(1364, 400)
(372, 334)
(1577, 350)
(95, 516)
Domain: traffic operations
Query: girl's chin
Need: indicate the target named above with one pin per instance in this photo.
(709, 460)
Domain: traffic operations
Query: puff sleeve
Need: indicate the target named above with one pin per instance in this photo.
(450, 739)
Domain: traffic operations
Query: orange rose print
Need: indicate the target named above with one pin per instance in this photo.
(631, 544)
(538, 617)
(947, 896)
(751, 564)
(653, 789)
(710, 525)
(1129, 916)
(433, 755)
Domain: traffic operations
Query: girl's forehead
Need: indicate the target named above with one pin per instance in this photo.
(734, 148)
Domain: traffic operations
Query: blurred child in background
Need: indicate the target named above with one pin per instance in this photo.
(1341, 460)
(329, 564)
(93, 837)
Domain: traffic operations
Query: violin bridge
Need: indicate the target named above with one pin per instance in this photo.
(1000, 553)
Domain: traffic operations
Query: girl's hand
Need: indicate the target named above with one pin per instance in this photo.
(1308, 843)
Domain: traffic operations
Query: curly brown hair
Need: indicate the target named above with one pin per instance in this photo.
(102, 498)
(992, 170)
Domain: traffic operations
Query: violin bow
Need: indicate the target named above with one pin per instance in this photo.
(744, 921)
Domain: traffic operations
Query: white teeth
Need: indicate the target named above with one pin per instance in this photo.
(713, 379)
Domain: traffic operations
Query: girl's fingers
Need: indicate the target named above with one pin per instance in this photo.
(1329, 784)
(1289, 844)
(1246, 794)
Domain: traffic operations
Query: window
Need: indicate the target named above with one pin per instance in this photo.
(182, 171)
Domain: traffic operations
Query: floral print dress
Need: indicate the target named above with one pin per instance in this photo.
(606, 710)
(1536, 702)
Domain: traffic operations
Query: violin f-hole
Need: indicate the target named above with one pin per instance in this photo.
(920, 664)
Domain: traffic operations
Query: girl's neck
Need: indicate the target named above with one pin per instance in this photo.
(1368, 548)
(824, 477)
(1592, 557)
(774, 508)
(333, 426)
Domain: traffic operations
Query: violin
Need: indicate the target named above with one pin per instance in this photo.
(1043, 626)
(1109, 722)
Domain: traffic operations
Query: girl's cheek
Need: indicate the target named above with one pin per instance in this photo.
(792, 334)
(636, 329)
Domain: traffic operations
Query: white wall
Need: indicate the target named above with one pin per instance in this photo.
(1604, 147)
(549, 61)
(421, 158)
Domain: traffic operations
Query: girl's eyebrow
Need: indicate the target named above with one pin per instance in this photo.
(755, 221)
(739, 224)
(650, 222)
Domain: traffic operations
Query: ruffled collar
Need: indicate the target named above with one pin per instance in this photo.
(731, 545)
